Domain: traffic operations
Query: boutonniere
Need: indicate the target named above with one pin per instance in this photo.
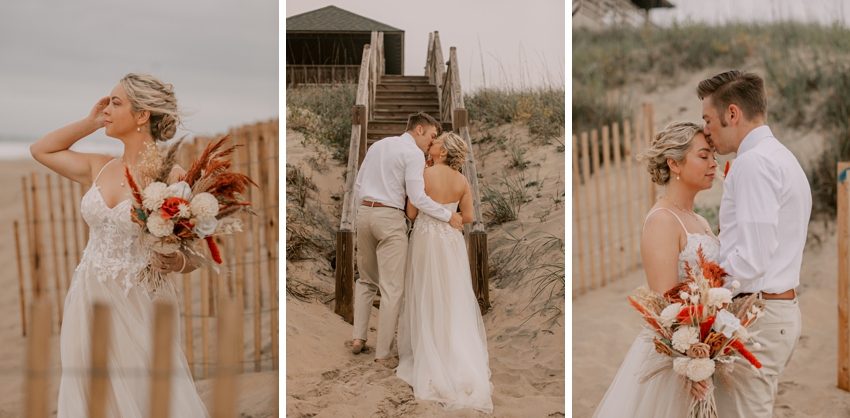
(726, 170)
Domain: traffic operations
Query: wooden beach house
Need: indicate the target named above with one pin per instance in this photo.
(325, 46)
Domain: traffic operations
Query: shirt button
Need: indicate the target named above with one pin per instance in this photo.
(782, 332)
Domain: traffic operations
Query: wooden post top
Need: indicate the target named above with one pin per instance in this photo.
(460, 119)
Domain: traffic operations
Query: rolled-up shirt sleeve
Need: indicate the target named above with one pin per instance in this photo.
(414, 183)
(757, 193)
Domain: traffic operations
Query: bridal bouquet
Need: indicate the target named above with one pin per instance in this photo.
(700, 328)
(202, 204)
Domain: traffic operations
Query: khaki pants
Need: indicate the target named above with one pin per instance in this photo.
(780, 330)
(381, 260)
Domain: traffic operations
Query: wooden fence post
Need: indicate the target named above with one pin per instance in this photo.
(344, 289)
(597, 174)
(205, 326)
(253, 152)
(74, 221)
(38, 267)
(160, 393)
(271, 242)
(609, 210)
(585, 168)
(101, 332)
(843, 276)
(56, 280)
(65, 252)
(228, 362)
(22, 292)
(618, 192)
(190, 330)
(629, 151)
(38, 348)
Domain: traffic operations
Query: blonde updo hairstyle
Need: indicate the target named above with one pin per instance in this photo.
(456, 149)
(673, 142)
(147, 92)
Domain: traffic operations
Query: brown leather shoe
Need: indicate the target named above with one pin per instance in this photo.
(357, 346)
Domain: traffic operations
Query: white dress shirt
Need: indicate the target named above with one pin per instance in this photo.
(764, 216)
(393, 168)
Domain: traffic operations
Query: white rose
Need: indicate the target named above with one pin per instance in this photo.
(204, 206)
(205, 227)
(180, 189)
(154, 195)
(680, 365)
(700, 369)
(717, 296)
(684, 337)
(668, 315)
(160, 227)
(726, 323)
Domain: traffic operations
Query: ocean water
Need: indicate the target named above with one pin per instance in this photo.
(18, 147)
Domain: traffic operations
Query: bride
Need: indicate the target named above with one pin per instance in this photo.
(139, 111)
(442, 345)
(679, 158)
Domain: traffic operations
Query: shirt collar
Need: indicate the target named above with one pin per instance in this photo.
(408, 138)
(753, 138)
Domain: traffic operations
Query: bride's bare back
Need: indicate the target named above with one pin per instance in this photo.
(446, 185)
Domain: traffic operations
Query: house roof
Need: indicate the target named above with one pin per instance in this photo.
(334, 19)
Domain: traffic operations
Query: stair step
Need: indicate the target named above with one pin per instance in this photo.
(379, 100)
(402, 95)
(382, 125)
(382, 87)
(408, 108)
(404, 79)
(381, 114)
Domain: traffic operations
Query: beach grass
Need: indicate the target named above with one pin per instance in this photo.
(806, 72)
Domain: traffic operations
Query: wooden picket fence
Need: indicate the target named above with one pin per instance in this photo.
(612, 193)
(56, 236)
(38, 369)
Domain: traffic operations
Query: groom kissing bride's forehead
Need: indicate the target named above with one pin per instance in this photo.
(766, 201)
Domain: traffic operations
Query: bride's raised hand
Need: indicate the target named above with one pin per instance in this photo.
(96, 115)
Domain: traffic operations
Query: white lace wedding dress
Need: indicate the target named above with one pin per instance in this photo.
(442, 346)
(663, 396)
(106, 274)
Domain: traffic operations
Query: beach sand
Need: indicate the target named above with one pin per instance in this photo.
(259, 391)
(526, 350)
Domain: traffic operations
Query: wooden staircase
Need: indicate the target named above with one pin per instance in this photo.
(396, 97)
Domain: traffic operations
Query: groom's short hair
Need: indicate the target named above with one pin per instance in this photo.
(736, 87)
(424, 119)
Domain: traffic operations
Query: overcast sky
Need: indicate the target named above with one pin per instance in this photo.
(519, 40)
(58, 58)
(721, 11)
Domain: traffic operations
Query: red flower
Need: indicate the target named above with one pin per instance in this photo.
(705, 327)
(746, 353)
(171, 207)
(690, 314)
(726, 170)
(216, 256)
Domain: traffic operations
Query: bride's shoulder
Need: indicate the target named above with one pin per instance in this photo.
(661, 218)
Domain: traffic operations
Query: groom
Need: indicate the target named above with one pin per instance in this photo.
(393, 168)
(764, 217)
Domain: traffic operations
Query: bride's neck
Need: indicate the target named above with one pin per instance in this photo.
(133, 151)
(682, 196)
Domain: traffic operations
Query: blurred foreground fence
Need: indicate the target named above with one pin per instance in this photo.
(612, 193)
(55, 236)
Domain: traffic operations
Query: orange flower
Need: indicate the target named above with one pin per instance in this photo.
(746, 353)
(690, 314)
(672, 295)
(171, 207)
